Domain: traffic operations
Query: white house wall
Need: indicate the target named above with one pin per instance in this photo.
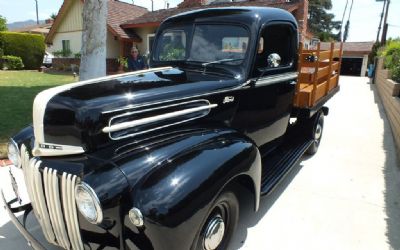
(72, 21)
(113, 46)
(143, 32)
(75, 39)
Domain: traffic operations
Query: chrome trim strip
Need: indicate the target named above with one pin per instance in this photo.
(72, 207)
(38, 191)
(126, 125)
(276, 78)
(206, 102)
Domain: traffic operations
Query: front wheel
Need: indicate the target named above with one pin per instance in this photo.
(316, 126)
(220, 224)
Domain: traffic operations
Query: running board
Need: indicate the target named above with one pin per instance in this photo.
(278, 163)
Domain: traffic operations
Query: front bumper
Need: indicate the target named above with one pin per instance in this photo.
(21, 228)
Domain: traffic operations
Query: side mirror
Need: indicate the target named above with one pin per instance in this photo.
(274, 60)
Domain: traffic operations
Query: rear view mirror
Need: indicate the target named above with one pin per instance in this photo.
(274, 60)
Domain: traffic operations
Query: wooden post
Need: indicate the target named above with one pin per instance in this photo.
(315, 83)
(299, 66)
(340, 62)
(330, 68)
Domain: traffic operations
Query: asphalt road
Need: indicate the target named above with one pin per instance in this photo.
(347, 196)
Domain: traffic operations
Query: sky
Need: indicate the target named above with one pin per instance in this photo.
(364, 19)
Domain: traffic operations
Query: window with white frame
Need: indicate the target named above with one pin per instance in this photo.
(150, 40)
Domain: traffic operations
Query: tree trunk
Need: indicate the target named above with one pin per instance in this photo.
(94, 37)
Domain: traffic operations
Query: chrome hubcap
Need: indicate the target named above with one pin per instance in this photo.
(214, 233)
(318, 132)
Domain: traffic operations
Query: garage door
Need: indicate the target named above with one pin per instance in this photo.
(351, 66)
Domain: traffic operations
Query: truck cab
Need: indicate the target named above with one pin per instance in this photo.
(156, 159)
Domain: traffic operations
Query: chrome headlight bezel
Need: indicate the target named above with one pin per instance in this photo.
(84, 187)
(13, 153)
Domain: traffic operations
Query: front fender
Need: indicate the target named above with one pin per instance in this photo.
(177, 192)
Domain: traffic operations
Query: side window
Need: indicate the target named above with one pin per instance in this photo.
(173, 46)
(276, 48)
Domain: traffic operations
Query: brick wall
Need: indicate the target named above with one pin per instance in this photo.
(64, 64)
(389, 92)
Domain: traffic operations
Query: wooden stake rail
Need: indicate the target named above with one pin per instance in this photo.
(318, 74)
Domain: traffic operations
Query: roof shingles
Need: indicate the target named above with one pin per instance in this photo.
(120, 12)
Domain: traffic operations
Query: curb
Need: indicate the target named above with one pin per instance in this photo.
(5, 163)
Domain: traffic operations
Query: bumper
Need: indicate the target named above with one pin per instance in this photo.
(31, 240)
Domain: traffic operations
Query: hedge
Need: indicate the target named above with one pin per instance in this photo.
(392, 58)
(29, 47)
(13, 62)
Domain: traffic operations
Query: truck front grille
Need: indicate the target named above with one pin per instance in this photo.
(53, 200)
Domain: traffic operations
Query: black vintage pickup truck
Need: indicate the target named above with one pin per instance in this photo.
(157, 159)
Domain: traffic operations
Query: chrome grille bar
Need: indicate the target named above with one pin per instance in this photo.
(53, 202)
(68, 183)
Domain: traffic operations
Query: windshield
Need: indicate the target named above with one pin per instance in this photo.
(205, 43)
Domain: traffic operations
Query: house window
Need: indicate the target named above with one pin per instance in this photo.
(66, 49)
(150, 40)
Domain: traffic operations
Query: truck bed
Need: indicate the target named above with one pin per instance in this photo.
(318, 77)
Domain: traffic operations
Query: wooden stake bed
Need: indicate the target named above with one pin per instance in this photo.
(318, 75)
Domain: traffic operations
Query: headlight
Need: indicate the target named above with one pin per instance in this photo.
(88, 203)
(13, 153)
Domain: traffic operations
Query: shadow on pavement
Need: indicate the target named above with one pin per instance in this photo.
(391, 170)
(248, 218)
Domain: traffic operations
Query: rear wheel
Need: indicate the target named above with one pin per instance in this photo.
(316, 127)
(220, 224)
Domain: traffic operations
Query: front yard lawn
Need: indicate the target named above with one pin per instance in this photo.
(17, 92)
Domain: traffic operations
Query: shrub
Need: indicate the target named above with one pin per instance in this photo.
(392, 58)
(62, 53)
(13, 62)
(29, 47)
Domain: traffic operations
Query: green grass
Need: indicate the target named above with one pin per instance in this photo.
(17, 92)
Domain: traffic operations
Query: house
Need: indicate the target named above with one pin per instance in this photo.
(66, 33)
(355, 57)
(146, 25)
(130, 25)
(41, 29)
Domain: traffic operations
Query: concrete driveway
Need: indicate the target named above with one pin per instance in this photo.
(347, 196)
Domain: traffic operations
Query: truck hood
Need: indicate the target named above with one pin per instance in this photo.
(83, 116)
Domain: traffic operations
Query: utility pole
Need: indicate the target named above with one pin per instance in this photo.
(380, 22)
(385, 24)
(37, 13)
(152, 5)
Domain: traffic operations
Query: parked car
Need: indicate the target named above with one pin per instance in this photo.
(156, 159)
(48, 59)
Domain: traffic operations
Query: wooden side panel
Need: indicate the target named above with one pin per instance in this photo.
(317, 79)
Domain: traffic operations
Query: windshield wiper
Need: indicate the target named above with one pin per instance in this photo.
(219, 61)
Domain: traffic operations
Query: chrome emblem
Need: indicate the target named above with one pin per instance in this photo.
(228, 99)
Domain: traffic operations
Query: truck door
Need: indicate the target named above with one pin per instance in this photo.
(268, 102)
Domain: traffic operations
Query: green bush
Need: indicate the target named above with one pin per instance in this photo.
(13, 62)
(29, 47)
(392, 58)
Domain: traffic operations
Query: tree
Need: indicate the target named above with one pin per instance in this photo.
(3, 23)
(53, 16)
(320, 21)
(93, 51)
